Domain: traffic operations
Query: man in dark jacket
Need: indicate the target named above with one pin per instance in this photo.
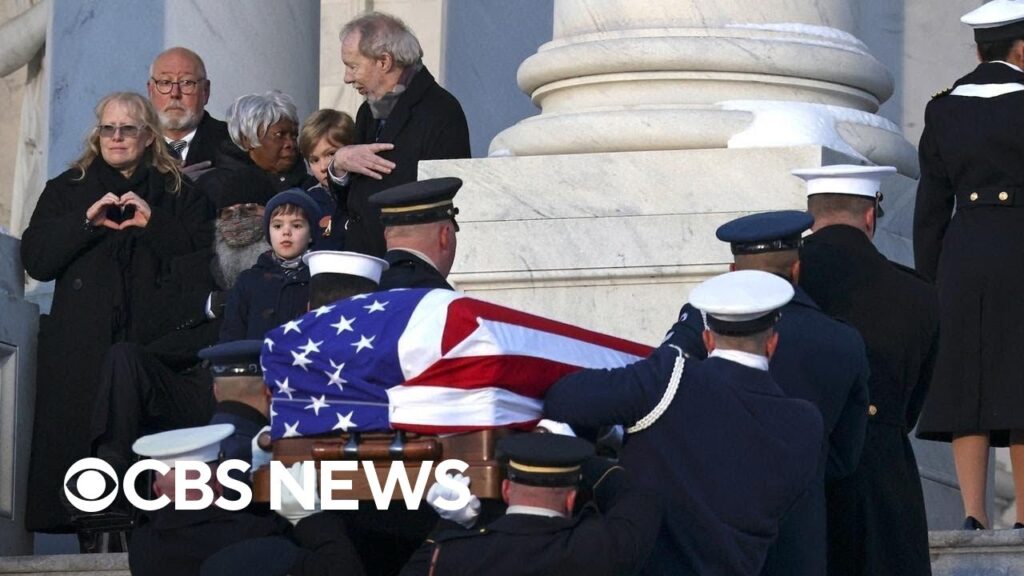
(821, 360)
(179, 90)
(876, 516)
(419, 226)
(717, 439)
(407, 117)
(538, 533)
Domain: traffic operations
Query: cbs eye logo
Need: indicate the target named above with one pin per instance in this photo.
(91, 485)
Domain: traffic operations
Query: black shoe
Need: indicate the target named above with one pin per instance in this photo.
(1018, 526)
(971, 523)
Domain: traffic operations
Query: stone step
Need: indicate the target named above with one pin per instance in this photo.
(977, 552)
(66, 565)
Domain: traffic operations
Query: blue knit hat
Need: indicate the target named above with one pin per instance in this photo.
(299, 198)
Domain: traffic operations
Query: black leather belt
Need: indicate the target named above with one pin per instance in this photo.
(1005, 196)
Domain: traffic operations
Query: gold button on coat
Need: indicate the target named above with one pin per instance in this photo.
(974, 196)
(1003, 196)
(872, 410)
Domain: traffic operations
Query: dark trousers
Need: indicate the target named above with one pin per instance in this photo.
(140, 395)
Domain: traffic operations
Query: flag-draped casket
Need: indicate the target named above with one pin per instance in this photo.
(428, 361)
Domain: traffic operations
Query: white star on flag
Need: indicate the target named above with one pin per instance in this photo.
(362, 296)
(291, 430)
(336, 379)
(377, 306)
(317, 404)
(269, 344)
(293, 325)
(364, 342)
(344, 422)
(323, 310)
(283, 388)
(300, 360)
(344, 324)
(311, 346)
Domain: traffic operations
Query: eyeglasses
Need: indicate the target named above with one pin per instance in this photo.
(186, 87)
(126, 130)
(242, 210)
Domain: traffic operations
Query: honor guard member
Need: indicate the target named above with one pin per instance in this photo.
(243, 400)
(876, 516)
(419, 228)
(821, 360)
(538, 533)
(335, 275)
(178, 541)
(717, 439)
(968, 238)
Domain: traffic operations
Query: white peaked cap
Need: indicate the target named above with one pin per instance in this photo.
(351, 263)
(201, 444)
(844, 179)
(741, 296)
(994, 14)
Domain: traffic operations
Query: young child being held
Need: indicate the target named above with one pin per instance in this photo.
(322, 134)
(276, 289)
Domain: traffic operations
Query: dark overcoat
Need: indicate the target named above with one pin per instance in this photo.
(104, 278)
(730, 455)
(231, 159)
(823, 361)
(613, 535)
(209, 135)
(427, 123)
(876, 516)
(970, 154)
(407, 270)
(264, 297)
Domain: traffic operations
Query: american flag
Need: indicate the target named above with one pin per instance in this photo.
(421, 360)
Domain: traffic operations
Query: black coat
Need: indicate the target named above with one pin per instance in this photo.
(104, 281)
(612, 537)
(730, 455)
(264, 297)
(974, 145)
(876, 516)
(209, 135)
(824, 362)
(407, 270)
(427, 123)
(231, 159)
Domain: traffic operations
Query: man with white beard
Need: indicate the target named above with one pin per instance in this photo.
(161, 384)
(179, 90)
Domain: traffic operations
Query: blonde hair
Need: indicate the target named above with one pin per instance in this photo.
(155, 155)
(336, 126)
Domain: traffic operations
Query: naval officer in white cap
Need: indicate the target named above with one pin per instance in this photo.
(968, 238)
(336, 275)
(726, 449)
(876, 516)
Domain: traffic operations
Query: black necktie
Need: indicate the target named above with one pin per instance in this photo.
(176, 147)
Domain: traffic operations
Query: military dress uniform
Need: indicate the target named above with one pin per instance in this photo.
(613, 534)
(718, 439)
(410, 270)
(970, 154)
(819, 360)
(876, 515)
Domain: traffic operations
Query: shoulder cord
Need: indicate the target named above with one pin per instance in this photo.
(666, 399)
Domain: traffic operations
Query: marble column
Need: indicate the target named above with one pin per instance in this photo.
(697, 74)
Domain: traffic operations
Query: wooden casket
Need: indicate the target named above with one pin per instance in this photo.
(477, 449)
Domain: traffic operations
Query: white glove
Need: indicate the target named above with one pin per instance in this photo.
(260, 457)
(553, 427)
(465, 516)
(290, 506)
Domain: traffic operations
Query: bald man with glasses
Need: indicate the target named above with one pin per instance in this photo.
(179, 90)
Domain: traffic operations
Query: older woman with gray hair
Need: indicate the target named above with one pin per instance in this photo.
(263, 129)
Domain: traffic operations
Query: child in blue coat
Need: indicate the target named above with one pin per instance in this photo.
(276, 289)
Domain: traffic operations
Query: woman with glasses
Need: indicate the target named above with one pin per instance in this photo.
(105, 230)
(263, 129)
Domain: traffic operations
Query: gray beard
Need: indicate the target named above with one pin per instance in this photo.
(230, 262)
(186, 122)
